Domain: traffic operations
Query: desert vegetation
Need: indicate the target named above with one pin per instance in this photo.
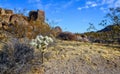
(111, 33)
(29, 45)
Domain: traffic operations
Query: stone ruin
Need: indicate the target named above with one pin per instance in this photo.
(38, 15)
(8, 19)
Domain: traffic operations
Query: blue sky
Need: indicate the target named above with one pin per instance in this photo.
(71, 15)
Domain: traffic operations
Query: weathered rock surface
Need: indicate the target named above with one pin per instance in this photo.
(18, 20)
(22, 25)
(56, 31)
(38, 15)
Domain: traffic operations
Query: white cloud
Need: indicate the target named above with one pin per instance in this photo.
(94, 5)
(101, 3)
(91, 4)
(85, 7)
(79, 8)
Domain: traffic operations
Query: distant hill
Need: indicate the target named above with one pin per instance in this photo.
(109, 34)
(110, 28)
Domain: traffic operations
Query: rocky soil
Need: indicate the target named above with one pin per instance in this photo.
(71, 57)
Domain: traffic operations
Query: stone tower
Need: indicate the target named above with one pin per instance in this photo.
(38, 15)
(41, 15)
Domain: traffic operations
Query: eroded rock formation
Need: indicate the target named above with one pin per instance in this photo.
(21, 25)
(38, 15)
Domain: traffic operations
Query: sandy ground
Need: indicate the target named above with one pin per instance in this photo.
(68, 57)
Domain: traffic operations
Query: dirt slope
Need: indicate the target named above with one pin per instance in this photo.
(68, 57)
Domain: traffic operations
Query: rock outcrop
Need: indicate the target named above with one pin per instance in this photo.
(21, 25)
(38, 15)
(5, 12)
(18, 19)
(56, 31)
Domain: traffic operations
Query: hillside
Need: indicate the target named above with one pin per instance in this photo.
(110, 28)
(71, 57)
(109, 34)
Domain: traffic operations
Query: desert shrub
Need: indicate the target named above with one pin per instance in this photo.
(66, 36)
(23, 53)
(15, 58)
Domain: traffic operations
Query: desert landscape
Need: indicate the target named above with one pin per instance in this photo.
(73, 57)
(30, 43)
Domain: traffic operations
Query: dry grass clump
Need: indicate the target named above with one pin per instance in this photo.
(17, 58)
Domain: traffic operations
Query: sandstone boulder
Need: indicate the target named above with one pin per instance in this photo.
(5, 25)
(18, 20)
(5, 18)
(8, 12)
(56, 31)
(2, 11)
(0, 25)
(5, 12)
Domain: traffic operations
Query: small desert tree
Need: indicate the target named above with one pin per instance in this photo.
(91, 27)
(113, 18)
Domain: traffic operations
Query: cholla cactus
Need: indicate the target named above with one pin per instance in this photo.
(41, 43)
